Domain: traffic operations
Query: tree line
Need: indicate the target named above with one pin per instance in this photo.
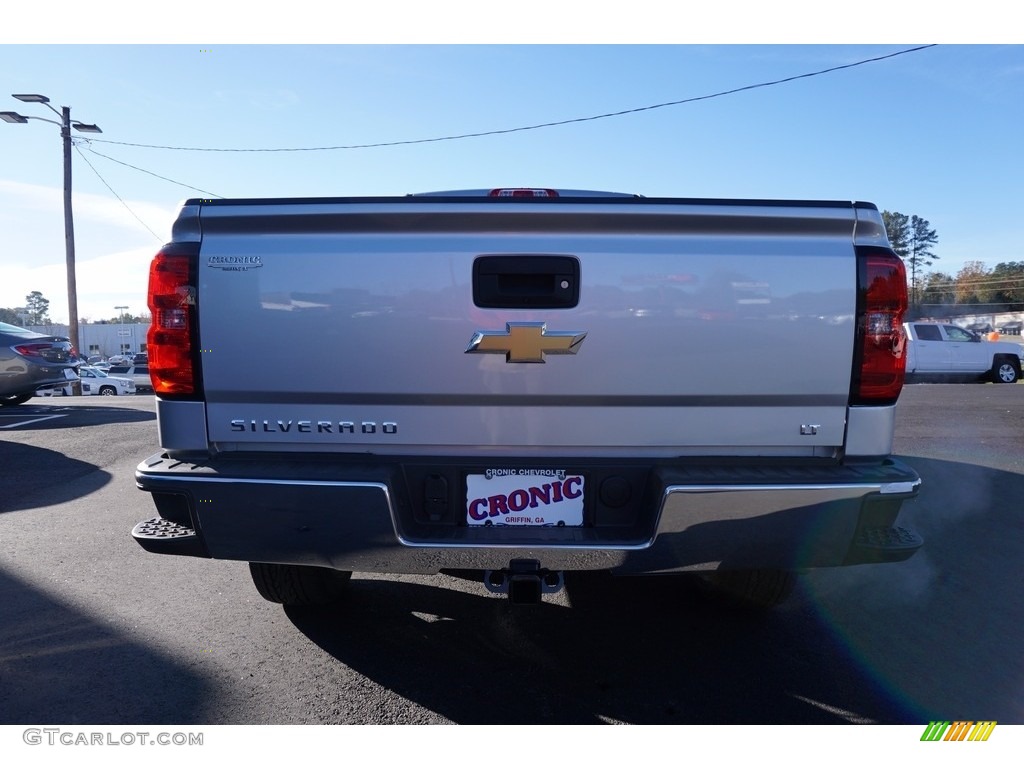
(975, 286)
(997, 289)
(37, 312)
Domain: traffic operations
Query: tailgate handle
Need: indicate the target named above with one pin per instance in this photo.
(519, 281)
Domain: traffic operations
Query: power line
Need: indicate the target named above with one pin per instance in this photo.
(154, 234)
(1005, 282)
(972, 304)
(143, 170)
(537, 126)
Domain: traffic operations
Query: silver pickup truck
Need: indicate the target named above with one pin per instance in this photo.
(522, 383)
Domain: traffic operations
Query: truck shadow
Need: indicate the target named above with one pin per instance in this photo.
(32, 477)
(936, 637)
(43, 416)
(644, 650)
(59, 666)
(946, 627)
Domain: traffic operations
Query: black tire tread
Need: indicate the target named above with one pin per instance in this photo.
(756, 588)
(298, 584)
(15, 399)
(997, 362)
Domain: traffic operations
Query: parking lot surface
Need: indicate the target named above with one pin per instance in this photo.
(98, 631)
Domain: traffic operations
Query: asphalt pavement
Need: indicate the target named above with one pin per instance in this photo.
(95, 630)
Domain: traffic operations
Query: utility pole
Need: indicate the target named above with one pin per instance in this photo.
(69, 230)
(69, 224)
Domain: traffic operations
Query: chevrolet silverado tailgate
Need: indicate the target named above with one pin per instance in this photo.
(527, 328)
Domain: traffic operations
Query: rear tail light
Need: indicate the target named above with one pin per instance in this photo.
(172, 337)
(60, 351)
(881, 348)
(31, 350)
(522, 192)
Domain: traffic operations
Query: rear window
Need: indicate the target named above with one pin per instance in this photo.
(928, 333)
(14, 330)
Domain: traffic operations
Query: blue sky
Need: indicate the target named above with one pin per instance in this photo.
(937, 133)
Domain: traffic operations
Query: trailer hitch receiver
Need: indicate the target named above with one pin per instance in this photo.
(524, 581)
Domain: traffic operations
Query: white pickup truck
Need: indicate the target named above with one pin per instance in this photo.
(944, 351)
(520, 383)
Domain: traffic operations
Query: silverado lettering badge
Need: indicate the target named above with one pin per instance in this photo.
(526, 342)
(235, 263)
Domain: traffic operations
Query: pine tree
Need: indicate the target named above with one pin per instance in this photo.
(38, 308)
(922, 238)
(897, 227)
(912, 238)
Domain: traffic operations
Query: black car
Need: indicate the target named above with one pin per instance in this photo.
(30, 361)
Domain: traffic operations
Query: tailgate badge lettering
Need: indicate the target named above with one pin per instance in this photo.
(235, 263)
(526, 342)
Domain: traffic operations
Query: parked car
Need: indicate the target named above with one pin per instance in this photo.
(67, 390)
(141, 358)
(1012, 328)
(97, 382)
(138, 373)
(948, 352)
(30, 362)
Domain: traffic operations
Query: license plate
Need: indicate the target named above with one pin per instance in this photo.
(525, 497)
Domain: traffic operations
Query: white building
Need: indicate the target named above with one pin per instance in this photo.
(103, 339)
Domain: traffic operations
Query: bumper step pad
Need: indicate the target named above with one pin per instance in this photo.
(168, 538)
(885, 544)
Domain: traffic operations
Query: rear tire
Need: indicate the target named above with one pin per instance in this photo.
(760, 588)
(299, 584)
(14, 399)
(1005, 371)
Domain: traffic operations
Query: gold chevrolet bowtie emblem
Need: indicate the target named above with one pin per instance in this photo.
(526, 342)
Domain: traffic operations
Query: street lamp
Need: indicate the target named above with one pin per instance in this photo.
(69, 226)
(120, 332)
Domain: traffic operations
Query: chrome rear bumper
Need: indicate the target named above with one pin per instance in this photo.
(690, 518)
